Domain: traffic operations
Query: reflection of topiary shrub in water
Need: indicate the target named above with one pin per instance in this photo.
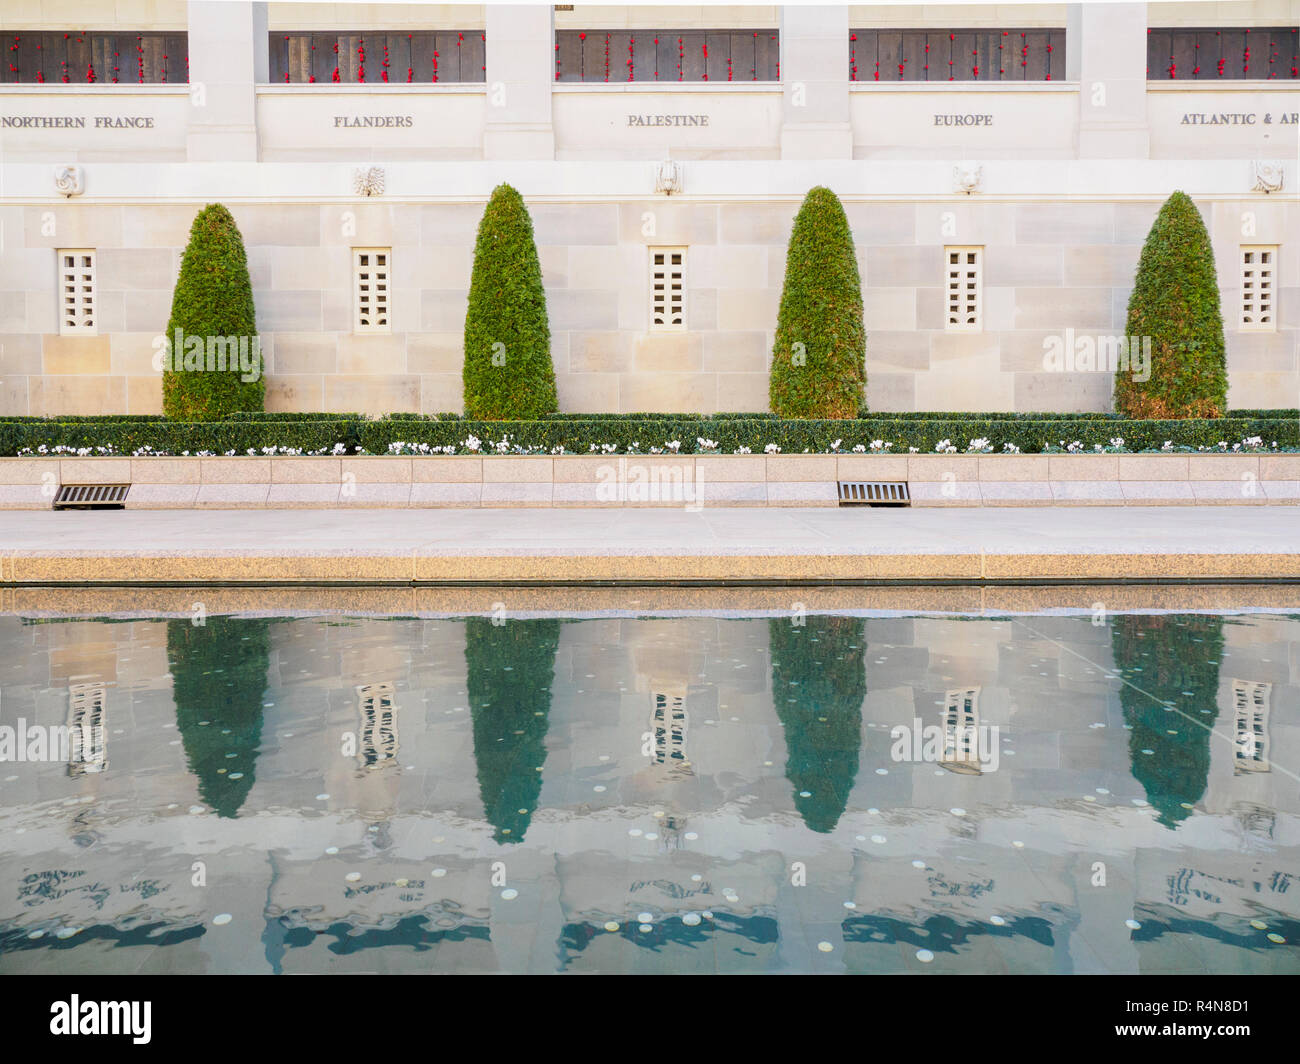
(819, 355)
(509, 670)
(218, 680)
(819, 680)
(1175, 302)
(1161, 658)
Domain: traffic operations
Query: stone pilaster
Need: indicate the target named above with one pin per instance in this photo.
(1106, 52)
(815, 83)
(228, 59)
(520, 69)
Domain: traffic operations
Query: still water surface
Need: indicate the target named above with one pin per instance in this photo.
(621, 793)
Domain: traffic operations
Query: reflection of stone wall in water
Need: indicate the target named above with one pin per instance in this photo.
(1169, 660)
(218, 680)
(819, 681)
(509, 672)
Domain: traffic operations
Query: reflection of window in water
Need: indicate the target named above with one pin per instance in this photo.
(87, 747)
(1251, 701)
(378, 740)
(1255, 819)
(961, 718)
(668, 725)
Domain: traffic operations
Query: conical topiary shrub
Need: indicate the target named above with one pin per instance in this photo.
(1175, 302)
(215, 366)
(508, 372)
(819, 365)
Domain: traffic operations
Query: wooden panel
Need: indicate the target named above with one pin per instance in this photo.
(889, 50)
(716, 48)
(593, 56)
(643, 55)
(620, 45)
(570, 56)
(474, 57)
(767, 48)
(963, 55)
(175, 71)
(859, 68)
(1158, 48)
(101, 57)
(693, 59)
(1233, 43)
(29, 57)
(1182, 55)
(153, 61)
(1056, 57)
(277, 57)
(740, 56)
(912, 56)
(937, 51)
(421, 58)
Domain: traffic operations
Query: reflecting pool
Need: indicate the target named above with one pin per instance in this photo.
(771, 790)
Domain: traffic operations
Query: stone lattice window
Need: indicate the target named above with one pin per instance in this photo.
(77, 292)
(668, 288)
(1258, 286)
(377, 742)
(1250, 747)
(964, 278)
(370, 276)
(87, 748)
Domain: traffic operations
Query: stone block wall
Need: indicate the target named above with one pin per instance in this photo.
(1049, 267)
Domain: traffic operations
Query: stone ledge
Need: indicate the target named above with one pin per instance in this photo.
(434, 481)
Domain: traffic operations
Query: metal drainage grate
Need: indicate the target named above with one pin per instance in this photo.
(91, 497)
(874, 493)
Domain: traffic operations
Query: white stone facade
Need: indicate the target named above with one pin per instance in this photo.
(1070, 176)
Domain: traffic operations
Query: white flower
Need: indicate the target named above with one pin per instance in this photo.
(473, 443)
(1010, 448)
(771, 448)
(673, 445)
(858, 448)
(743, 450)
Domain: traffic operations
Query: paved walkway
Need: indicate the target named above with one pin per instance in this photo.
(589, 545)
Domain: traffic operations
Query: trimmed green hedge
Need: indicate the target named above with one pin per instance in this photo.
(127, 436)
(798, 436)
(323, 433)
